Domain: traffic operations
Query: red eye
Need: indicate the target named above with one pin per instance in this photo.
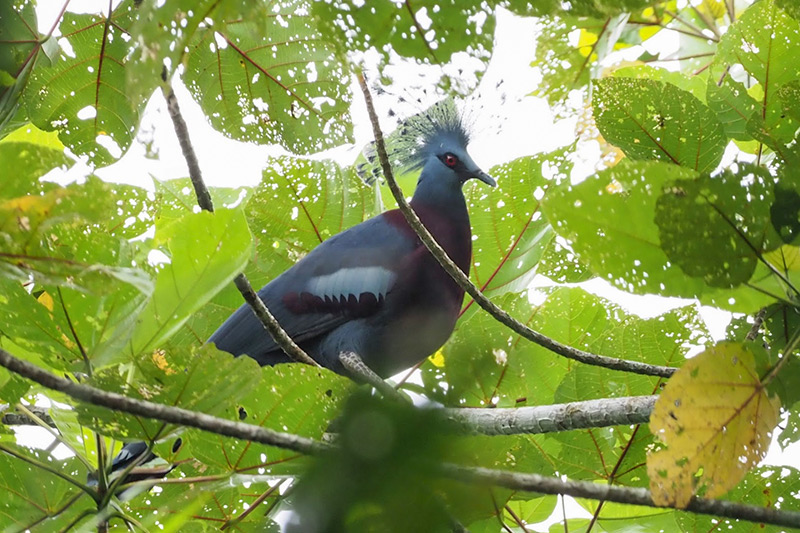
(450, 160)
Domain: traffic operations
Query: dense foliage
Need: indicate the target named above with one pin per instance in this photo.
(696, 195)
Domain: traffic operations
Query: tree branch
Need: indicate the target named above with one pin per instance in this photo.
(359, 370)
(552, 418)
(616, 493)
(165, 413)
(21, 419)
(463, 281)
(511, 480)
(269, 322)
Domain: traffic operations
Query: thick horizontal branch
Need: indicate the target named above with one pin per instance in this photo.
(165, 413)
(463, 281)
(278, 334)
(553, 418)
(616, 493)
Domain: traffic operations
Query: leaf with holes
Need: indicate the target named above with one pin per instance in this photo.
(32, 495)
(609, 219)
(728, 214)
(293, 398)
(82, 94)
(761, 45)
(430, 31)
(270, 78)
(75, 236)
(200, 378)
(716, 419)
(650, 119)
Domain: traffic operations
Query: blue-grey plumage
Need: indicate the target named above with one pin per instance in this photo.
(374, 289)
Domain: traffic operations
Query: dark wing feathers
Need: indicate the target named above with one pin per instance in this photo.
(345, 277)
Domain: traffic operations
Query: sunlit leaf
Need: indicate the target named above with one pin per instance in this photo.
(656, 120)
(759, 46)
(271, 79)
(73, 236)
(609, 219)
(81, 95)
(28, 153)
(716, 421)
(206, 252)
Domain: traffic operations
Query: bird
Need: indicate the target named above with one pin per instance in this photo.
(375, 289)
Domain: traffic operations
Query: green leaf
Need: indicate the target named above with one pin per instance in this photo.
(73, 236)
(722, 214)
(383, 446)
(290, 397)
(69, 328)
(82, 94)
(563, 65)
(32, 495)
(762, 42)
(200, 378)
(789, 95)
(510, 235)
(27, 154)
(697, 85)
(649, 119)
(271, 79)
(176, 198)
(161, 33)
(206, 503)
(19, 47)
(426, 30)
(609, 219)
(766, 486)
(207, 250)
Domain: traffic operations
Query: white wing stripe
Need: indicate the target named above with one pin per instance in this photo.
(346, 281)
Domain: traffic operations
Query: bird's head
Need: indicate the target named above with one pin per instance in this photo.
(436, 142)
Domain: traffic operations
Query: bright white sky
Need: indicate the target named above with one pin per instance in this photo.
(508, 124)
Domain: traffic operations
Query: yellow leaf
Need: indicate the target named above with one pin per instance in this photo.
(161, 362)
(716, 8)
(648, 31)
(715, 418)
(586, 42)
(437, 359)
(46, 300)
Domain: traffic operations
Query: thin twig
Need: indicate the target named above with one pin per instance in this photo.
(58, 438)
(358, 369)
(758, 321)
(278, 334)
(17, 419)
(463, 281)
